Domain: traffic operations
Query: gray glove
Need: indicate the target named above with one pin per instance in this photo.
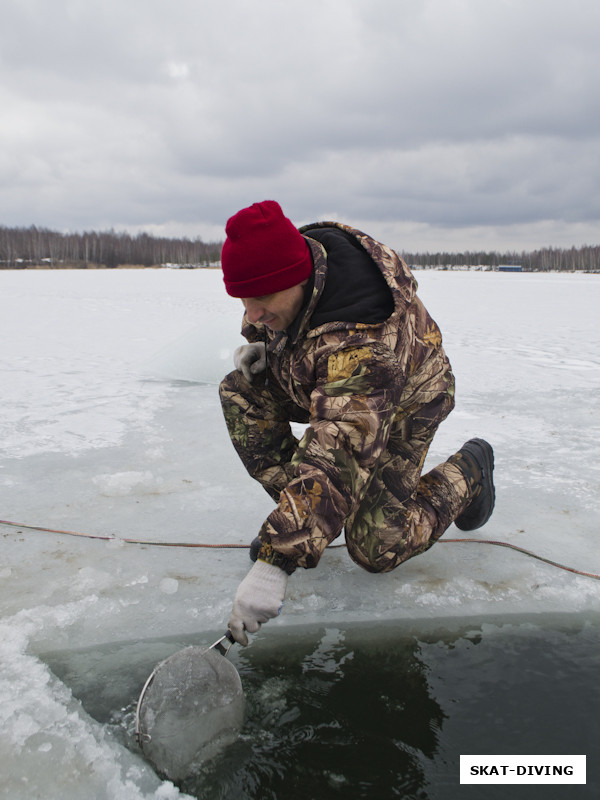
(250, 359)
(259, 598)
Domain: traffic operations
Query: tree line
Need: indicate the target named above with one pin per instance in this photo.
(34, 247)
(586, 259)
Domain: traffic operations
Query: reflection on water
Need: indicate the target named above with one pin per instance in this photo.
(379, 711)
(331, 718)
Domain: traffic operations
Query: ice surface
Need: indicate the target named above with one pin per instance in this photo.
(111, 426)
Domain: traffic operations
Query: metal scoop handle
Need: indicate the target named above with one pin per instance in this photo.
(223, 645)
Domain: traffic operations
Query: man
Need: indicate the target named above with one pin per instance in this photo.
(338, 339)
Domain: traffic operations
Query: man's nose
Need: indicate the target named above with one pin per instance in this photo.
(254, 310)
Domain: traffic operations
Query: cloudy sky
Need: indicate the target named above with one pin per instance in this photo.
(431, 124)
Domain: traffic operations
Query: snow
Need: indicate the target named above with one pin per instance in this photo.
(111, 426)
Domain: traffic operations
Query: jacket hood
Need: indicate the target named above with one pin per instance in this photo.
(345, 261)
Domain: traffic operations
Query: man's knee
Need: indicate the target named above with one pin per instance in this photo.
(238, 395)
(376, 558)
(232, 384)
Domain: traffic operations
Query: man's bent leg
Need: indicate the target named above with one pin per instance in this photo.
(403, 512)
(258, 420)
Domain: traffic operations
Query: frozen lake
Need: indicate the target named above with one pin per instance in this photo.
(111, 426)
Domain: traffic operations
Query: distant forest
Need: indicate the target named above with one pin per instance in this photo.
(39, 247)
(547, 259)
(21, 248)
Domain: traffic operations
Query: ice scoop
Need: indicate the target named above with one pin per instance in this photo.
(191, 707)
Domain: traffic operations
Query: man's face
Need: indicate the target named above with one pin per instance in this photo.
(276, 311)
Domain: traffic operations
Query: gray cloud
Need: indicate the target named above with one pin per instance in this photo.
(433, 123)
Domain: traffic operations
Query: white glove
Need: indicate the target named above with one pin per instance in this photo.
(250, 359)
(259, 598)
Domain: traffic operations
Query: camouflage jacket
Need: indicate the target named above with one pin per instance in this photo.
(353, 381)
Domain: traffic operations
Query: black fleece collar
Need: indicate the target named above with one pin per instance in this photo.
(354, 289)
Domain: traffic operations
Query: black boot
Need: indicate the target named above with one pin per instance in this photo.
(476, 460)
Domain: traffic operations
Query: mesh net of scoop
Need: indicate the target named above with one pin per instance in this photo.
(191, 707)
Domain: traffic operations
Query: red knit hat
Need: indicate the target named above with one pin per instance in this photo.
(263, 253)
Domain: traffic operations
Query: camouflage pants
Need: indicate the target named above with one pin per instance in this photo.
(399, 513)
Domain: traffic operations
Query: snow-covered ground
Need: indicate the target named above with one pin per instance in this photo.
(111, 425)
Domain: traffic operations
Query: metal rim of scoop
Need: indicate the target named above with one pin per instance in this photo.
(223, 645)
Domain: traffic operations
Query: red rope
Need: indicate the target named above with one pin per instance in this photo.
(119, 539)
(527, 553)
(246, 546)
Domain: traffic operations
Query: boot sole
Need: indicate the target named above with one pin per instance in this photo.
(481, 509)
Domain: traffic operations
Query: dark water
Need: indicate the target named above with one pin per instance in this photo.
(382, 710)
